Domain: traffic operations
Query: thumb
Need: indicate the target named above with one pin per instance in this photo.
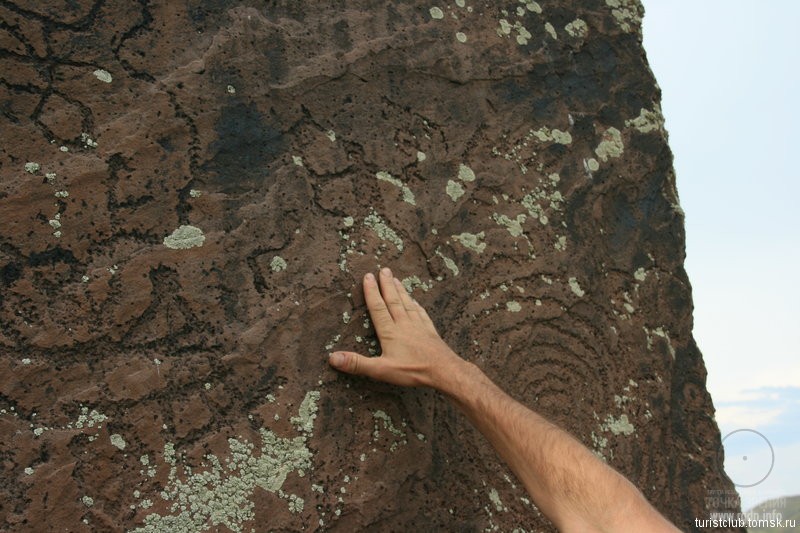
(353, 363)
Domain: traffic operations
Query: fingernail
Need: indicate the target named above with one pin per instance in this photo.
(386, 272)
(369, 277)
(337, 359)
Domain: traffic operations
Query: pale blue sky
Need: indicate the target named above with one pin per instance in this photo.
(728, 71)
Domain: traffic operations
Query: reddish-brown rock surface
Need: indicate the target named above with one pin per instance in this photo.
(191, 191)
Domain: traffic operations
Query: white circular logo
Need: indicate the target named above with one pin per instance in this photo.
(749, 457)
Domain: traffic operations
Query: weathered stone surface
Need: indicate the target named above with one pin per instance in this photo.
(507, 159)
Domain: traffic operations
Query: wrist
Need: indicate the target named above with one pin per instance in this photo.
(456, 377)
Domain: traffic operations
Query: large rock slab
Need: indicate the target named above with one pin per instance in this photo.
(191, 191)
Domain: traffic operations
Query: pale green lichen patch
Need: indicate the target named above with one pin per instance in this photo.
(577, 28)
(304, 421)
(194, 193)
(32, 167)
(561, 243)
(514, 226)
(449, 263)
(534, 7)
(627, 13)
(185, 237)
(545, 134)
(421, 156)
(618, 426)
(331, 135)
(591, 164)
(550, 30)
(408, 196)
(436, 13)
(611, 145)
(576, 288)
(461, 37)
(640, 274)
(348, 221)
(513, 306)
(465, 173)
(278, 264)
(381, 418)
(412, 282)
(117, 441)
(220, 493)
(471, 241)
(103, 75)
(297, 160)
(382, 230)
(454, 190)
(647, 120)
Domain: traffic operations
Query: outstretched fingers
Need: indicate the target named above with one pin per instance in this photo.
(378, 311)
(391, 295)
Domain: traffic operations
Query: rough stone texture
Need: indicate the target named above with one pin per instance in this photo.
(191, 191)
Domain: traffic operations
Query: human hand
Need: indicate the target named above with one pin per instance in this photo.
(413, 352)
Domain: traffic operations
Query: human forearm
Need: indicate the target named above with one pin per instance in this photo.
(571, 486)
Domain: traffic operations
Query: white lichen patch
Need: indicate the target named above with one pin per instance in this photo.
(278, 264)
(471, 241)
(550, 30)
(513, 225)
(647, 120)
(61, 194)
(194, 193)
(494, 496)
(103, 75)
(220, 493)
(331, 135)
(87, 141)
(421, 156)
(513, 306)
(611, 145)
(545, 134)
(576, 288)
(577, 28)
(454, 190)
(185, 237)
(640, 274)
(627, 13)
(117, 441)
(297, 160)
(28, 471)
(408, 196)
(88, 501)
(618, 426)
(436, 13)
(382, 230)
(465, 173)
(231, 89)
(32, 167)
